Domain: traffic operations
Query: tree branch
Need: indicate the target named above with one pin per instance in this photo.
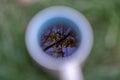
(62, 39)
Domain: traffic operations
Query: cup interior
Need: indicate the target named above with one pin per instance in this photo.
(59, 37)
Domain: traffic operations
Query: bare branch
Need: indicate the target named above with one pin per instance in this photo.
(62, 39)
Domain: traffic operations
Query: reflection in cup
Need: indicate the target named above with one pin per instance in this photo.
(59, 37)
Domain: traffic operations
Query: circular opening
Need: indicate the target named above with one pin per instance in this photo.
(59, 37)
(71, 20)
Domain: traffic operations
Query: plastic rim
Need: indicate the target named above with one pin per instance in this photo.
(58, 11)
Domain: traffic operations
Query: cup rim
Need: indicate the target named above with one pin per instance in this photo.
(58, 11)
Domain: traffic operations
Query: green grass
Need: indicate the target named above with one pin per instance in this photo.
(104, 60)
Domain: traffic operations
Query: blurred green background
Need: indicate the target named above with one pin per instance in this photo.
(104, 60)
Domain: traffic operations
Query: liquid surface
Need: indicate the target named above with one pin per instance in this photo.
(59, 37)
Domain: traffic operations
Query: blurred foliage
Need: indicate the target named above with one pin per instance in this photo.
(104, 60)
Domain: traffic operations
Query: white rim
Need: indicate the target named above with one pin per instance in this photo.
(58, 11)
